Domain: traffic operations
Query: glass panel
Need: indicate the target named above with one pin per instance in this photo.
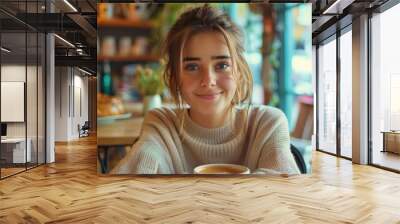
(386, 89)
(41, 99)
(327, 97)
(346, 94)
(33, 41)
(22, 67)
(31, 97)
(13, 86)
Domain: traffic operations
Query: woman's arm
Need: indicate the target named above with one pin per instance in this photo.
(148, 155)
(145, 157)
(275, 152)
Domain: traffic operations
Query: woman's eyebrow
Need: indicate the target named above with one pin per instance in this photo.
(212, 57)
(221, 57)
(191, 59)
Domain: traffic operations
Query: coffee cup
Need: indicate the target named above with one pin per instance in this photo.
(221, 169)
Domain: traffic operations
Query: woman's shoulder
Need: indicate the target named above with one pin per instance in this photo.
(162, 114)
(157, 121)
(264, 114)
(262, 110)
(164, 110)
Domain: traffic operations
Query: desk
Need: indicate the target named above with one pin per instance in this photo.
(114, 135)
(16, 147)
(391, 141)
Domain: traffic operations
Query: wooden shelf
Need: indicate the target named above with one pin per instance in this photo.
(125, 23)
(142, 58)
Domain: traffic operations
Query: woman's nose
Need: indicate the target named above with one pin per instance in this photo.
(208, 78)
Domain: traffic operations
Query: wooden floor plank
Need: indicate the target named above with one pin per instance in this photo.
(71, 191)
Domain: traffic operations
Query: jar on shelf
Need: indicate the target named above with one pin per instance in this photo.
(125, 44)
(131, 12)
(139, 46)
(105, 11)
(108, 46)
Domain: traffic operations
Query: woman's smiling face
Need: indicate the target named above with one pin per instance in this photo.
(206, 79)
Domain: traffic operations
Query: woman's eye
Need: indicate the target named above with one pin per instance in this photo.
(222, 66)
(191, 67)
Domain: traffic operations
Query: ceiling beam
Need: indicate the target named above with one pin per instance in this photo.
(84, 24)
(337, 7)
(81, 61)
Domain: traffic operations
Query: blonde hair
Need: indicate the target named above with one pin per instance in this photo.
(190, 23)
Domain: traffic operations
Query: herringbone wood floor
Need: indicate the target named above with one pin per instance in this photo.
(70, 191)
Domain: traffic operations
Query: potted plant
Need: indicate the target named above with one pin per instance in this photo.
(150, 85)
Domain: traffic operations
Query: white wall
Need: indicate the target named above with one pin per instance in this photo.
(13, 73)
(81, 82)
(71, 93)
(61, 103)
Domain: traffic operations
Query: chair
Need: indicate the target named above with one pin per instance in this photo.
(84, 130)
(301, 164)
(304, 124)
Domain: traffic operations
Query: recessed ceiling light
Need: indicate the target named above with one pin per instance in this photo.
(5, 49)
(70, 5)
(337, 7)
(64, 40)
(84, 71)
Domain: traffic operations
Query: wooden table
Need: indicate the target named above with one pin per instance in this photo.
(118, 134)
(123, 132)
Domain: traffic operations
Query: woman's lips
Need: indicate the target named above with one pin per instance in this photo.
(209, 96)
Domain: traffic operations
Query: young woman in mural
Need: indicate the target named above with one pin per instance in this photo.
(213, 122)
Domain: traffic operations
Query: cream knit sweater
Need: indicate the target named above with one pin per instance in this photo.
(261, 142)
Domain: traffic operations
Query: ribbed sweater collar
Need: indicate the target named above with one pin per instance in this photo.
(214, 145)
(210, 135)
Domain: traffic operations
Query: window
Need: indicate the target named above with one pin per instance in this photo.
(327, 96)
(346, 94)
(385, 84)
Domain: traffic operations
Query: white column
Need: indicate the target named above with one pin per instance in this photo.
(360, 90)
(50, 100)
(50, 92)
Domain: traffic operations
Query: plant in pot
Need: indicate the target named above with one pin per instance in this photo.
(150, 84)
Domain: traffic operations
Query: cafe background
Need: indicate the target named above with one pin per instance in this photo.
(277, 49)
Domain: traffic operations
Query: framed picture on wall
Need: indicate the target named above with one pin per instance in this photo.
(12, 101)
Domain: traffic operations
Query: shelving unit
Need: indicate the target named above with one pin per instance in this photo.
(118, 57)
(137, 28)
(116, 22)
(129, 59)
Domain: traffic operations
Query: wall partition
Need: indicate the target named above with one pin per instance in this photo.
(22, 77)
